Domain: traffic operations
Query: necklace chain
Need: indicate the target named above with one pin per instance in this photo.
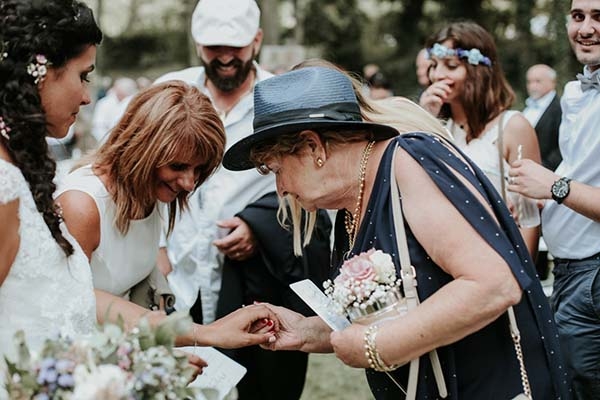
(351, 220)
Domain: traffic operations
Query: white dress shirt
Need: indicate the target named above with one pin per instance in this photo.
(567, 233)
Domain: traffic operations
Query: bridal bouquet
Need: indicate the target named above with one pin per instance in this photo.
(111, 365)
(366, 287)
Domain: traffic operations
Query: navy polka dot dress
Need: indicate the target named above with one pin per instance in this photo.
(483, 365)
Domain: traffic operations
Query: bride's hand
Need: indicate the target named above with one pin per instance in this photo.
(197, 363)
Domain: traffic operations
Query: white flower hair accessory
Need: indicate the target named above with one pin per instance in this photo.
(38, 68)
(473, 56)
(4, 129)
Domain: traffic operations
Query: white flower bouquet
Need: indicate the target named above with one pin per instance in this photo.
(367, 288)
(111, 365)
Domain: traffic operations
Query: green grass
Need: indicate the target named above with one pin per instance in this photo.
(329, 379)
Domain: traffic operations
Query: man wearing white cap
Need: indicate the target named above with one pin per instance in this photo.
(228, 249)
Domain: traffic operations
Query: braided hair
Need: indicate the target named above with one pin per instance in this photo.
(60, 30)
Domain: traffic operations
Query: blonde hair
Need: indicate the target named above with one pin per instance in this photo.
(405, 116)
(163, 123)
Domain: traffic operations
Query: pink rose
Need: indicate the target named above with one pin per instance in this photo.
(359, 268)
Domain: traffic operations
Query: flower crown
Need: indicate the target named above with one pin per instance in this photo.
(473, 56)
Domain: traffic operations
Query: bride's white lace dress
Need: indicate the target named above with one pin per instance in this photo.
(45, 293)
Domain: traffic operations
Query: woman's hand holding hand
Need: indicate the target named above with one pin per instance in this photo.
(434, 97)
(238, 329)
(291, 334)
(349, 346)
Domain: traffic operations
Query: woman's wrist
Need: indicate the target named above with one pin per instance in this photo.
(315, 336)
(374, 359)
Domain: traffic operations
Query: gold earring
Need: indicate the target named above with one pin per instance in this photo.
(319, 162)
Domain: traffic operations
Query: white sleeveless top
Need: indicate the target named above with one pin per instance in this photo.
(45, 293)
(120, 261)
(484, 149)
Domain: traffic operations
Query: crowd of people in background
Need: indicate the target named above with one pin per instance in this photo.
(154, 203)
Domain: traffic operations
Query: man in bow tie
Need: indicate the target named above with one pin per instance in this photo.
(571, 214)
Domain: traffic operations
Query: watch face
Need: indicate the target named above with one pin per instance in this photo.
(560, 188)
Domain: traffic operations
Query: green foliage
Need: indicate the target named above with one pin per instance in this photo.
(111, 364)
(336, 27)
(143, 50)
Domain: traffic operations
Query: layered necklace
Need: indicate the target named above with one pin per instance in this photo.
(351, 219)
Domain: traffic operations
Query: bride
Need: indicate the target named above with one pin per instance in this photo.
(48, 50)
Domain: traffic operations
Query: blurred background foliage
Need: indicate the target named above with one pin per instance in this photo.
(149, 37)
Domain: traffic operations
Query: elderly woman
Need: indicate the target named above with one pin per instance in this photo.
(470, 269)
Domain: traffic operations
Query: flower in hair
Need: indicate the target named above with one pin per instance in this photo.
(38, 68)
(473, 56)
(4, 129)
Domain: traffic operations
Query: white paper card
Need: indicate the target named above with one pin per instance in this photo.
(320, 304)
(221, 375)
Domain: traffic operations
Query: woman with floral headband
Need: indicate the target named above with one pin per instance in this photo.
(470, 91)
(48, 49)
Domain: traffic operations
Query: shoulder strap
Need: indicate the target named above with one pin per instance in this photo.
(409, 284)
(500, 143)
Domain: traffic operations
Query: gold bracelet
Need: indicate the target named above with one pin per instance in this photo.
(373, 356)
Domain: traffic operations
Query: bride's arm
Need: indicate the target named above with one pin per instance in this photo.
(9, 232)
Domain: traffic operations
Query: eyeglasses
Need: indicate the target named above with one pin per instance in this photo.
(263, 169)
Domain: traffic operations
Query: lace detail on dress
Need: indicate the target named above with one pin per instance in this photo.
(10, 178)
(45, 293)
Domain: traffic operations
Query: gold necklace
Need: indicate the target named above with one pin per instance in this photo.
(351, 220)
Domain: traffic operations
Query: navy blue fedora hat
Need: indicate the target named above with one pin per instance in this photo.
(312, 98)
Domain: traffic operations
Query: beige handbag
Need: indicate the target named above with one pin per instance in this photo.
(149, 292)
(409, 284)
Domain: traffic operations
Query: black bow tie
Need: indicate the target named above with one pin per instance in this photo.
(589, 82)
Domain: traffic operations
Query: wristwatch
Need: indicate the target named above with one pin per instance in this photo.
(560, 189)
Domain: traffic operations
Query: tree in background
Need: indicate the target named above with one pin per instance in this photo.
(335, 27)
(154, 35)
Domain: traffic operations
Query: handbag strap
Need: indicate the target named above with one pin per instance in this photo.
(500, 144)
(512, 320)
(516, 337)
(409, 284)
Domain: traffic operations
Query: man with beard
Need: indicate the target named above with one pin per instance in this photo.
(228, 249)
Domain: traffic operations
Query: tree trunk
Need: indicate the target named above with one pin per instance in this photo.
(269, 20)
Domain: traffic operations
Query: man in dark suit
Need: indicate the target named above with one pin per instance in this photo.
(543, 112)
